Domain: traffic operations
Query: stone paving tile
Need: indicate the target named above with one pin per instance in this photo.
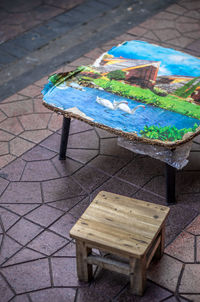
(52, 142)
(141, 170)
(23, 255)
(47, 243)
(63, 225)
(44, 215)
(152, 293)
(68, 251)
(39, 171)
(182, 247)
(14, 170)
(12, 125)
(22, 193)
(193, 298)
(105, 286)
(36, 136)
(24, 231)
(55, 122)
(21, 298)
(3, 184)
(6, 159)
(19, 145)
(4, 149)
(66, 167)
(17, 108)
(30, 91)
(90, 178)
(8, 218)
(150, 197)
(38, 153)
(117, 186)
(198, 248)
(66, 204)
(54, 295)
(2, 116)
(109, 146)
(35, 121)
(166, 272)
(80, 208)
(88, 140)
(190, 282)
(65, 188)
(173, 225)
(81, 155)
(194, 227)
(9, 247)
(28, 276)
(108, 164)
(64, 272)
(20, 209)
(5, 136)
(6, 292)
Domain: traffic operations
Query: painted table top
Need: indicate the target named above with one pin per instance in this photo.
(137, 90)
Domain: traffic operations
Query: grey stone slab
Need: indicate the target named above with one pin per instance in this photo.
(38, 153)
(11, 48)
(105, 287)
(24, 231)
(14, 170)
(3, 184)
(6, 293)
(108, 164)
(31, 40)
(21, 298)
(24, 255)
(87, 140)
(67, 251)
(19, 192)
(6, 58)
(8, 248)
(66, 167)
(64, 225)
(62, 188)
(39, 171)
(64, 272)
(47, 243)
(44, 215)
(82, 155)
(8, 218)
(66, 204)
(90, 178)
(25, 277)
(54, 295)
(20, 209)
(153, 293)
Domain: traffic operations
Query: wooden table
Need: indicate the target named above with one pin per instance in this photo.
(139, 91)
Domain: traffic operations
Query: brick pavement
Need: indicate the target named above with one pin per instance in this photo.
(42, 197)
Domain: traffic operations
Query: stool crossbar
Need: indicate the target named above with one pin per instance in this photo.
(124, 227)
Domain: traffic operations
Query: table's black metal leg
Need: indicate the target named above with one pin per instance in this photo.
(64, 138)
(170, 174)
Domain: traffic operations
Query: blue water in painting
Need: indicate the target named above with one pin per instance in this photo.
(85, 101)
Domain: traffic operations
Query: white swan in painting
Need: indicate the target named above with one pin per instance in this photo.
(124, 107)
(109, 104)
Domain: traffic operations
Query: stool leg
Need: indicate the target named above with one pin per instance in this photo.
(160, 250)
(137, 276)
(84, 270)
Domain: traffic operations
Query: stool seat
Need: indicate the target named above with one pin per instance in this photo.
(122, 226)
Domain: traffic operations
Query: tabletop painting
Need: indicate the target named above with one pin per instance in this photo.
(139, 89)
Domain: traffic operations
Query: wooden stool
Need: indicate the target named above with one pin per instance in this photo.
(122, 226)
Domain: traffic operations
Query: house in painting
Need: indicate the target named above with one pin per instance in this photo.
(137, 72)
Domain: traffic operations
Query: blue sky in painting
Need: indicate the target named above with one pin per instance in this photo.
(172, 62)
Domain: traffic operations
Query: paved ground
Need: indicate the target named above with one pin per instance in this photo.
(42, 197)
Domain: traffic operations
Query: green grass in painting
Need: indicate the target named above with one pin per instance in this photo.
(169, 102)
(166, 133)
(188, 88)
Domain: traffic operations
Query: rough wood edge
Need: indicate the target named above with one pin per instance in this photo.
(131, 137)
